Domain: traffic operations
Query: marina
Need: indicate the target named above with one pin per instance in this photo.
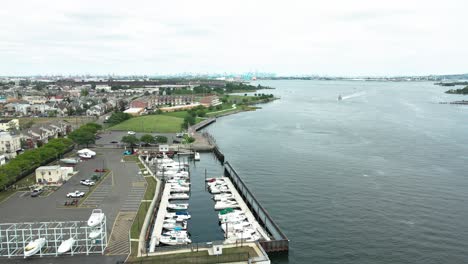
(197, 209)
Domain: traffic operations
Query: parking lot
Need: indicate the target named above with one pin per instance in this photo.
(121, 191)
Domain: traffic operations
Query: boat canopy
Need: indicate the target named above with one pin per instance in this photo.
(226, 211)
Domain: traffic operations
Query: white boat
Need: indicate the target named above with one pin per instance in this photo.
(181, 182)
(179, 189)
(66, 245)
(197, 156)
(233, 226)
(33, 247)
(97, 216)
(176, 233)
(233, 218)
(247, 234)
(223, 196)
(177, 207)
(175, 226)
(178, 215)
(85, 156)
(229, 211)
(172, 173)
(85, 150)
(219, 189)
(226, 204)
(179, 196)
(172, 240)
(69, 161)
(95, 233)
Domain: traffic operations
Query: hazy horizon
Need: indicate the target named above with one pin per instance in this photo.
(333, 38)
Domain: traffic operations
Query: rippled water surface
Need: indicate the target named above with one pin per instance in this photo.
(379, 177)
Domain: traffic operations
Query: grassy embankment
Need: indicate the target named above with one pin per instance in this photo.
(139, 219)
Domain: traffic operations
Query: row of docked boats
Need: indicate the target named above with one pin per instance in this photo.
(94, 222)
(232, 219)
(222, 194)
(177, 178)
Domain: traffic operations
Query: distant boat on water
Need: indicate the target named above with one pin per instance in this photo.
(340, 98)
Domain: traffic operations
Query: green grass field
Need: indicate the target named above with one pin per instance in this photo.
(151, 123)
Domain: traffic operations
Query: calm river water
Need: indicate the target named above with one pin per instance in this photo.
(379, 177)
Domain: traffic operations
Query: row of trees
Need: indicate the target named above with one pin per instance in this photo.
(118, 117)
(86, 134)
(132, 140)
(31, 159)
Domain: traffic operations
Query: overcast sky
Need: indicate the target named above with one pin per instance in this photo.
(326, 37)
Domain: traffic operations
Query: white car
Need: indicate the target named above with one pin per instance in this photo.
(87, 182)
(75, 194)
(131, 133)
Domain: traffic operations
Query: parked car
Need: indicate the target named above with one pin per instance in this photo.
(100, 170)
(114, 142)
(131, 133)
(87, 182)
(36, 192)
(75, 194)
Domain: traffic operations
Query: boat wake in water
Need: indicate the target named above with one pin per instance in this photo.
(353, 95)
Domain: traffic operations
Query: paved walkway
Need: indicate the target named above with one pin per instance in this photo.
(119, 243)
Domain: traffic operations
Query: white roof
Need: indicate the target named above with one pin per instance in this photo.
(133, 110)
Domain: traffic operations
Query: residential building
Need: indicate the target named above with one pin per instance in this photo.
(9, 124)
(53, 175)
(210, 100)
(9, 144)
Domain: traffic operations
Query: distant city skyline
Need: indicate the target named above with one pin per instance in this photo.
(332, 38)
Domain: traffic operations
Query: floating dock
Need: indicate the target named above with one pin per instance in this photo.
(246, 210)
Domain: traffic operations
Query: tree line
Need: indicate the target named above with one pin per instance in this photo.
(27, 162)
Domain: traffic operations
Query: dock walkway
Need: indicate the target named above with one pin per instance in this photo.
(158, 224)
(247, 211)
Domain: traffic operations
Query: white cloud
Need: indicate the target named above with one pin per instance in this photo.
(360, 37)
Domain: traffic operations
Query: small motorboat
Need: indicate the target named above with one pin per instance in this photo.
(196, 156)
(33, 247)
(223, 196)
(177, 207)
(229, 212)
(179, 196)
(226, 204)
(97, 216)
(175, 225)
(179, 189)
(95, 233)
(177, 232)
(180, 182)
(232, 218)
(66, 245)
(174, 240)
(233, 226)
(179, 215)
